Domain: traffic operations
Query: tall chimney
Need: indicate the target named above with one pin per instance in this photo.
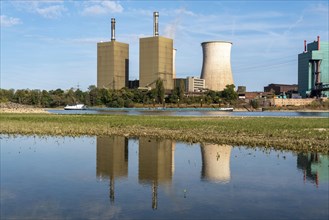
(318, 42)
(156, 23)
(305, 49)
(112, 29)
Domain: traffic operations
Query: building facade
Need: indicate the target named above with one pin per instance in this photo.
(195, 84)
(278, 89)
(313, 68)
(112, 65)
(156, 61)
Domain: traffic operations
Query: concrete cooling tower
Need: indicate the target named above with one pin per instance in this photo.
(216, 67)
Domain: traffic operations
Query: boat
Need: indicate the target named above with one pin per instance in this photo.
(226, 109)
(75, 107)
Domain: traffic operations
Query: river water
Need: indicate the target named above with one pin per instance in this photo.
(141, 178)
(189, 112)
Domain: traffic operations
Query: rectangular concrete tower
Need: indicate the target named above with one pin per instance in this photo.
(156, 61)
(112, 63)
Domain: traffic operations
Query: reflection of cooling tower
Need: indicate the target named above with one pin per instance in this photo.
(216, 67)
(216, 162)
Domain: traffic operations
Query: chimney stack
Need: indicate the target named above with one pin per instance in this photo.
(318, 42)
(112, 29)
(156, 23)
(305, 49)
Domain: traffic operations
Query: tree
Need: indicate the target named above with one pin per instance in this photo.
(160, 92)
(229, 94)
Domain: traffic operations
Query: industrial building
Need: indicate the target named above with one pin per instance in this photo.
(195, 84)
(156, 59)
(278, 89)
(216, 66)
(313, 69)
(112, 63)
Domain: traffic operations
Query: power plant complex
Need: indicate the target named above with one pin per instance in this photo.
(157, 61)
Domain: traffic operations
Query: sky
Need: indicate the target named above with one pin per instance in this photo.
(53, 44)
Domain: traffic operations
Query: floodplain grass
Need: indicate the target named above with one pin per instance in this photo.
(284, 133)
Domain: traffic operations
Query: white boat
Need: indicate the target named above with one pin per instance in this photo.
(226, 109)
(75, 107)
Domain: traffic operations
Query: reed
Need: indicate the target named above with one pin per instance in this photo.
(297, 134)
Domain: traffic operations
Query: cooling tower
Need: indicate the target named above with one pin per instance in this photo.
(216, 67)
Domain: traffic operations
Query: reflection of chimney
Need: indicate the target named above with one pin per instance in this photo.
(112, 29)
(156, 23)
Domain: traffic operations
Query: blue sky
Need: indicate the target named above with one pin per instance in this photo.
(53, 44)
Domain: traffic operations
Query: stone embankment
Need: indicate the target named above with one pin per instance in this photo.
(10, 107)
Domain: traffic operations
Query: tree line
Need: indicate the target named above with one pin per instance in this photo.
(115, 98)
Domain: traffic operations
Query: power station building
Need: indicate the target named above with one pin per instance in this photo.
(112, 63)
(156, 59)
(313, 69)
(216, 66)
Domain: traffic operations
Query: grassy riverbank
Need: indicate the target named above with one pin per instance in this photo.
(301, 134)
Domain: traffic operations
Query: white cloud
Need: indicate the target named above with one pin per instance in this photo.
(9, 21)
(46, 9)
(101, 7)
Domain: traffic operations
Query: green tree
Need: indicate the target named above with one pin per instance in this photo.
(229, 94)
(160, 91)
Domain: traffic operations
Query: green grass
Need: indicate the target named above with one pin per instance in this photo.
(298, 134)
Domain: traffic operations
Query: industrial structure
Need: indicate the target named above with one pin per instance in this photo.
(112, 63)
(278, 89)
(216, 66)
(156, 59)
(313, 69)
(195, 84)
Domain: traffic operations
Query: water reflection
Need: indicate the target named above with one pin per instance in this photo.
(216, 162)
(112, 159)
(152, 185)
(156, 164)
(314, 167)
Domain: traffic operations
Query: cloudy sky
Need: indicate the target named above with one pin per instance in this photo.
(53, 44)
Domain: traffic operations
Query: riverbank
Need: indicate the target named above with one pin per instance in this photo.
(298, 134)
(9, 107)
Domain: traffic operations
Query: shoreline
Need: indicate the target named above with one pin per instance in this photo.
(295, 134)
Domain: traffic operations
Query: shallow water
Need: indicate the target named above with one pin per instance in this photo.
(120, 178)
(189, 112)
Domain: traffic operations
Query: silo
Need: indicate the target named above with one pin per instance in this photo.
(174, 63)
(216, 67)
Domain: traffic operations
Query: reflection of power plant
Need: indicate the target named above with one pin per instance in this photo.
(112, 159)
(155, 164)
(216, 162)
(314, 166)
(216, 67)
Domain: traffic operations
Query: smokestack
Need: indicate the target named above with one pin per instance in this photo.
(305, 50)
(112, 29)
(156, 23)
(318, 42)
